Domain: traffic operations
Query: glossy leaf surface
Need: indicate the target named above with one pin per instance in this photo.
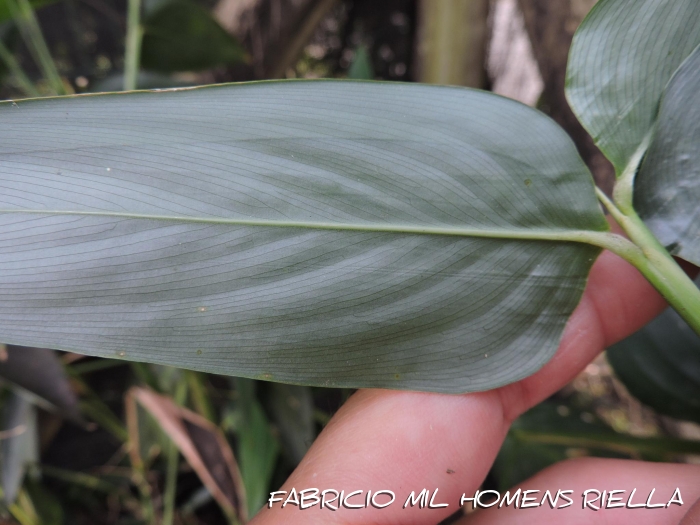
(329, 233)
(660, 365)
(667, 187)
(621, 59)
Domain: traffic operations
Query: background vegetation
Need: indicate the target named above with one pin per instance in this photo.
(89, 440)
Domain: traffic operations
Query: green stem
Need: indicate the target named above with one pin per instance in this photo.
(611, 442)
(134, 35)
(172, 464)
(95, 366)
(81, 479)
(145, 374)
(100, 413)
(24, 17)
(664, 272)
(651, 258)
(200, 399)
(18, 73)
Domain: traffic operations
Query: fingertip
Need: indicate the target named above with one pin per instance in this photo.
(622, 298)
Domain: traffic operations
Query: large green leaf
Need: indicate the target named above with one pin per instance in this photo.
(660, 365)
(621, 59)
(330, 233)
(667, 187)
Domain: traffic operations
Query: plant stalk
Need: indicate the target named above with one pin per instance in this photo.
(652, 259)
(200, 399)
(659, 267)
(134, 36)
(24, 17)
(172, 463)
(612, 442)
(21, 78)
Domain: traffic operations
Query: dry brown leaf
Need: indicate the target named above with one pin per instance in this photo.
(201, 443)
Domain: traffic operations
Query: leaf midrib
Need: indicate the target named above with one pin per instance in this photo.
(597, 238)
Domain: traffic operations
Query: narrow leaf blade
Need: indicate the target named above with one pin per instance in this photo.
(660, 365)
(204, 447)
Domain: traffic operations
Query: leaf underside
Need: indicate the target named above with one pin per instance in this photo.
(621, 59)
(667, 187)
(208, 289)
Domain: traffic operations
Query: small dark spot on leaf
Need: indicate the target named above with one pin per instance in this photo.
(199, 352)
(397, 376)
(528, 182)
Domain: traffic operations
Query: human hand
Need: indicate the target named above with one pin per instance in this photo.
(407, 441)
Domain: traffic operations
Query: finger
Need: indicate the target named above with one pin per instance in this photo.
(617, 302)
(406, 441)
(692, 517)
(581, 475)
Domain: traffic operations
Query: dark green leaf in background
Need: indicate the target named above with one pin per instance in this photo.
(180, 35)
(292, 411)
(325, 232)
(549, 433)
(40, 372)
(521, 458)
(660, 365)
(667, 187)
(621, 59)
(258, 447)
